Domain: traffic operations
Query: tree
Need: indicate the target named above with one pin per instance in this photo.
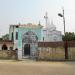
(69, 36)
(5, 37)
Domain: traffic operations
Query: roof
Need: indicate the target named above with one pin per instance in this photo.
(29, 25)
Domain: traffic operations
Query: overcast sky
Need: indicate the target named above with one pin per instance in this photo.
(33, 11)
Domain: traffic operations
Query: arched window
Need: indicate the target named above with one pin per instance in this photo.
(29, 37)
(4, 47)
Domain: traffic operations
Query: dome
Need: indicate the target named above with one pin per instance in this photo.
(51, 26)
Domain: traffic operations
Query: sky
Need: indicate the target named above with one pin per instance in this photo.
(33, 11)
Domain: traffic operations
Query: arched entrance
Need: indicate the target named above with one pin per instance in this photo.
(26, 49)
(4, 47)
(29, 43)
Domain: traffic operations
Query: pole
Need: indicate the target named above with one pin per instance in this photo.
(64, 21)
(66, 50)
(66, 45)
(65, 42)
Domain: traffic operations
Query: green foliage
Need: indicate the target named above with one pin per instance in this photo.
(5, 37)
(69, 36)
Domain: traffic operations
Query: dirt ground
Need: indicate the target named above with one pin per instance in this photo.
(36, 68)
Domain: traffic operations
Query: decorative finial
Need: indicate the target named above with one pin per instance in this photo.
(46, 15)
(46, 19)
(39, 23)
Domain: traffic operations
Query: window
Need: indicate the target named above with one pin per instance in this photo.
(43, 38)
(16, 35)
(12, 38)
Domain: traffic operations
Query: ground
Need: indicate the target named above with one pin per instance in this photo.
(11, 67)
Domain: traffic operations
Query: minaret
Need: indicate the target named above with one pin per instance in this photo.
(46, 19)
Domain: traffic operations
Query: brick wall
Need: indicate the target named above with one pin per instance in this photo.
(55, 50)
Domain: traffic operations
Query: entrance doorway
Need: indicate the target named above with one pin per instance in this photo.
(27, 50)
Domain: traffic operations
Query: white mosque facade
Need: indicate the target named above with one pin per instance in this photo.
(50, 34)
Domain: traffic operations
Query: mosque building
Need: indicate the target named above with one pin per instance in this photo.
(26, 37)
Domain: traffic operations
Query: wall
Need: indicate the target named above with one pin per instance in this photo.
(8, 54)
(8, 43)
(50, 53)
(55, 50)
